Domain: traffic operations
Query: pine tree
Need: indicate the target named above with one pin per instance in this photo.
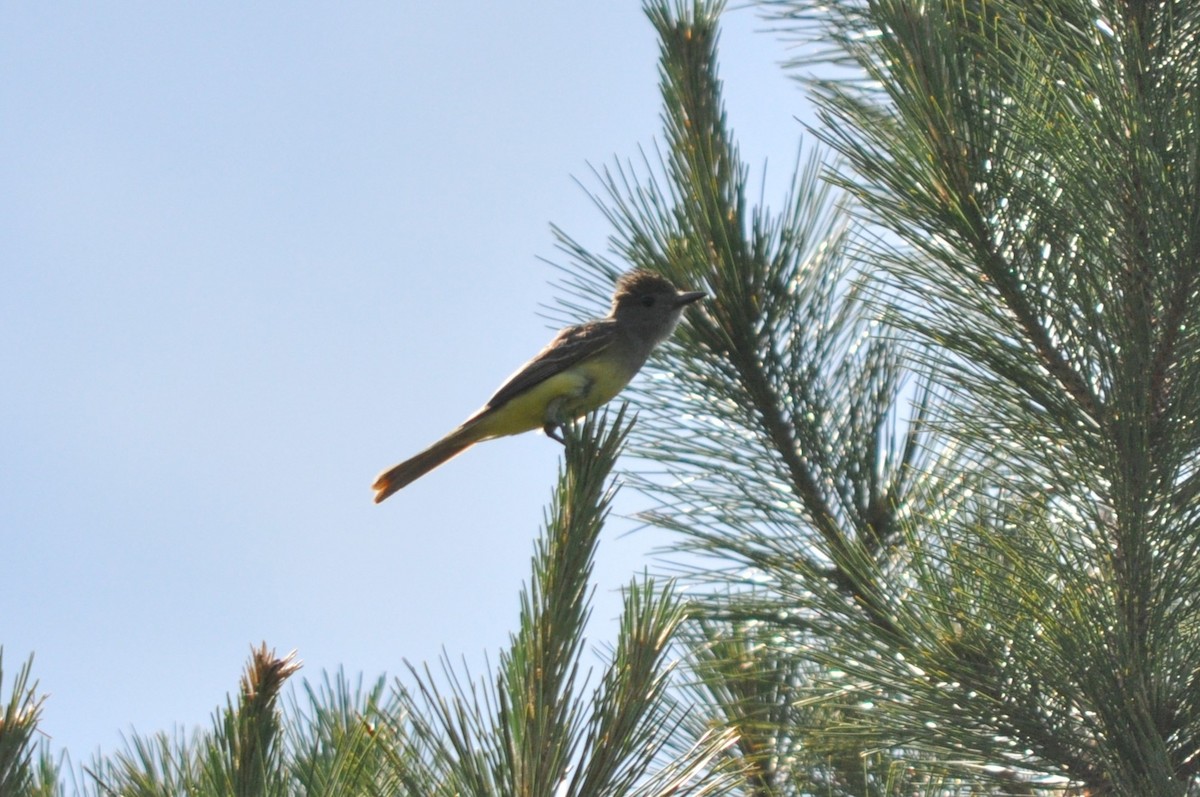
(930, 449)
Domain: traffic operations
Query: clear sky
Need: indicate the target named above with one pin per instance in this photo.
(250, 255)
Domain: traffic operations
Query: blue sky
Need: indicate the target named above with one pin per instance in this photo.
(252, 254)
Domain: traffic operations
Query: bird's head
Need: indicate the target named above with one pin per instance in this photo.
(649, 302)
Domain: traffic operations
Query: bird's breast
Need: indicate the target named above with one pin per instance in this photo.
(570, 393)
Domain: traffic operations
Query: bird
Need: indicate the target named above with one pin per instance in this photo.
(581, 369)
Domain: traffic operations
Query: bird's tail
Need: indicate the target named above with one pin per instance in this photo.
(417, 466)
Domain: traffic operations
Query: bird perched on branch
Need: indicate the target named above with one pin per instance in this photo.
(583, 368)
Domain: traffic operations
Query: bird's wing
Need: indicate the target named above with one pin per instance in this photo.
(569, 346)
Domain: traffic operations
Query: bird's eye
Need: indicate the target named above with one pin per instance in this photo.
(647, 301)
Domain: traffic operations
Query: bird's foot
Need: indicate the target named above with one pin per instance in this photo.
(554, 432)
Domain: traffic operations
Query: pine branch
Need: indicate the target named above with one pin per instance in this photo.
(19, 762)
(336, 744)
(242, 755)
(533, 729)
(771, 350)
(1039, 161)
(251, 731)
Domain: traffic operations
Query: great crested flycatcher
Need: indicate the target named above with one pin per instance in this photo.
(581, 369)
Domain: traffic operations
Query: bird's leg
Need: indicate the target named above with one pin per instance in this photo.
(554, 421)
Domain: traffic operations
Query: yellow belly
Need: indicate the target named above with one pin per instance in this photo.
(570, 394)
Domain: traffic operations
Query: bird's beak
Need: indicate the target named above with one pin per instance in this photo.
(687, 298)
